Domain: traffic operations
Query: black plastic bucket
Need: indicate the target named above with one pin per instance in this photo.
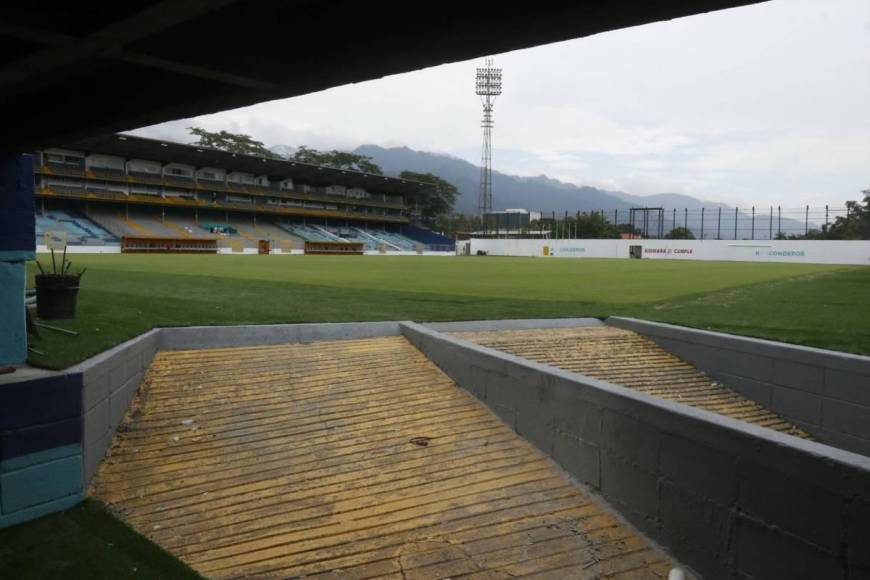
(56, 296)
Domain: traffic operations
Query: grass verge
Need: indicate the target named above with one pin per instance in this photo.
(84, 542)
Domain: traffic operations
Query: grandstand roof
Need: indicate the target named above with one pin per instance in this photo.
(131, 146)
(75, 69)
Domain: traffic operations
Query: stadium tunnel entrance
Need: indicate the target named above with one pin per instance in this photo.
(645, 420)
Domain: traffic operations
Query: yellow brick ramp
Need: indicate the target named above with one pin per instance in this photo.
(626, 358)
(300, 460)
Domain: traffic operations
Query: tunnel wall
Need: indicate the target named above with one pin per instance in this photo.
(728, 498)
(826, 393)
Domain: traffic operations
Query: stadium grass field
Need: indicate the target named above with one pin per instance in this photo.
(123, 295)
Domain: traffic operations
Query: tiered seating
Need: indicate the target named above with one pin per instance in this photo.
(427, 237)
(309, 233)
(178, 180)
(143, 177)
(352, 235)
(279, 236)
(218, 227)
(211, 183)
(72, 189)
(108, 172)
(79, 229)
(398, 240)
(376, 240)
(137, 223)
(64, 169)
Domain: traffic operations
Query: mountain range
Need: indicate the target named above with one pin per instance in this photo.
(539, 193)
(547, 195)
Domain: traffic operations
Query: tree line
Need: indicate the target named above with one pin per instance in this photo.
(855, 225)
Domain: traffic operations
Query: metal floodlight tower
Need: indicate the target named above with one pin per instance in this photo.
(488, 87)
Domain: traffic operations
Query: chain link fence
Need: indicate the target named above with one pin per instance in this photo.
(704, 223)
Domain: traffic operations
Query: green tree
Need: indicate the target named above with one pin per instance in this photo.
(337, 159)
(232, 142)
(433, 201)
(680, 233)
(855, 225)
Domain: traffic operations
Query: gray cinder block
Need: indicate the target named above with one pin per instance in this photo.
(705, 471)
(798, 375)
(848, 386)
(795, 404)
(699, 526)
(96, 423)
(762, 551)
(846, 418)
(792, 504)
(629, 486)
(578, 458)
(630, 439)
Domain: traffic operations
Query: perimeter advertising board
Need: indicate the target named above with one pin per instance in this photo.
(805, 251)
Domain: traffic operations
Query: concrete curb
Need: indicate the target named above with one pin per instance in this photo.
(185, 337)
(516, 324)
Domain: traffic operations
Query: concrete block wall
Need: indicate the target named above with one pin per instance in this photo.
(109, 383)
(729, 499)
(266, 334)
(825, 392)
(511, 324)
(40, 446)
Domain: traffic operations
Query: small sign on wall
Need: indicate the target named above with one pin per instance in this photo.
(546, 250)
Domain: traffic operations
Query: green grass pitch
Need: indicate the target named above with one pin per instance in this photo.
(123, 295)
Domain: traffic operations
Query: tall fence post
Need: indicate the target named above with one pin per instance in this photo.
(685, 218)
(719, 225)
(674, 221)
(826, 217)
(770, 228)
(807, 221)
(702, 223)
(735, 222)
(779, 221)
(753, 224)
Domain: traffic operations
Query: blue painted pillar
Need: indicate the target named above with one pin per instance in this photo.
(17, 245)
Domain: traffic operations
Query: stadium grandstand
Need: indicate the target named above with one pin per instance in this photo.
(101, 189)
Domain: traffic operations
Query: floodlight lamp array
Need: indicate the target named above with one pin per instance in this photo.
(488, 81)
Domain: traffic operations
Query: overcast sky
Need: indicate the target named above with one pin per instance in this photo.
(766, 104)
